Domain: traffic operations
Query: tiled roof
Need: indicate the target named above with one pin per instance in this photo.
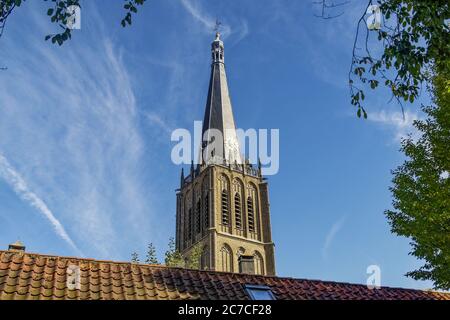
(36, 276)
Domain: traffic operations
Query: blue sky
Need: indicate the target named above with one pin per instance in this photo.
(85, 166)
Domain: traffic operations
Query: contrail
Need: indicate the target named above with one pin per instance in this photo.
(331, 234)
(18, 184)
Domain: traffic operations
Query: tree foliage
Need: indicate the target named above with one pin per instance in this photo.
(327, 8)
(173, 257)
(421, 187)
(135, 257)
(413, 34)
(151, 254)
(59, 14)
(195, 254)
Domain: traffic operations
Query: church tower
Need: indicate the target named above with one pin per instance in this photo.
(223, 203)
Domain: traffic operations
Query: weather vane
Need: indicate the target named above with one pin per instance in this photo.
(217, 26)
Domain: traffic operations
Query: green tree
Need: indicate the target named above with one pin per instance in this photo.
(59, 14)
(421, 187)
(151, 254)
(135, 257)
(173, 257)
(413, 35)
(194, 257)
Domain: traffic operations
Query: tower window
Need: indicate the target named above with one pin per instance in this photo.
(227, 258)
(189, 225)
(238, 211)
(251, 215)
(198, 222)
(206, 212)
(225, 207)
(185, 238)
(259, 263)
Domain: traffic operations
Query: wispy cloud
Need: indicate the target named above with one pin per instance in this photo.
(241, 29)
(157, 120)
(72, 125)
(331, 235)
(195, 10)
(20, 187)
(401, 124)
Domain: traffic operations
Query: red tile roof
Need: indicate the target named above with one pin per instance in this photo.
(36, 276)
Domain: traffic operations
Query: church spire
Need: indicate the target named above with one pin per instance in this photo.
(219, 112)
(223, 203)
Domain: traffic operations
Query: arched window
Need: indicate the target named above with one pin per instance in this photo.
(189, 233)
(227, 258)
(238, 210)
(198, 221)
(184, 226)
(206, 212)
(259, 263)
(225, 206)
(251, 214)
(186, 221)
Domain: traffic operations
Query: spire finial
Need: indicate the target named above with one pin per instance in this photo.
(217, 27)
(217, 45)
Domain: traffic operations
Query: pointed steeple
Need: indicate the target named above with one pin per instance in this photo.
(182, 178)
(219, 112)
(203, 212)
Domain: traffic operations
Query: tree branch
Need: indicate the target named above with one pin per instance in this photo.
(329, 5)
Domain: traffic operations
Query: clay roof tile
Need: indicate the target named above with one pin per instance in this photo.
(34, 276)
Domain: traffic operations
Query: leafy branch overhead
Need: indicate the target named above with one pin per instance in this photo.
(6, 8)
(131, 7)
(327, 6)
(60, 14)
(413, 34)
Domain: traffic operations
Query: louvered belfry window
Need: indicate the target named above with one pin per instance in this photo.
(198, 220)
(206, 212)
(251, 214)
(189, 233)
(225, 211)
(238, 210)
